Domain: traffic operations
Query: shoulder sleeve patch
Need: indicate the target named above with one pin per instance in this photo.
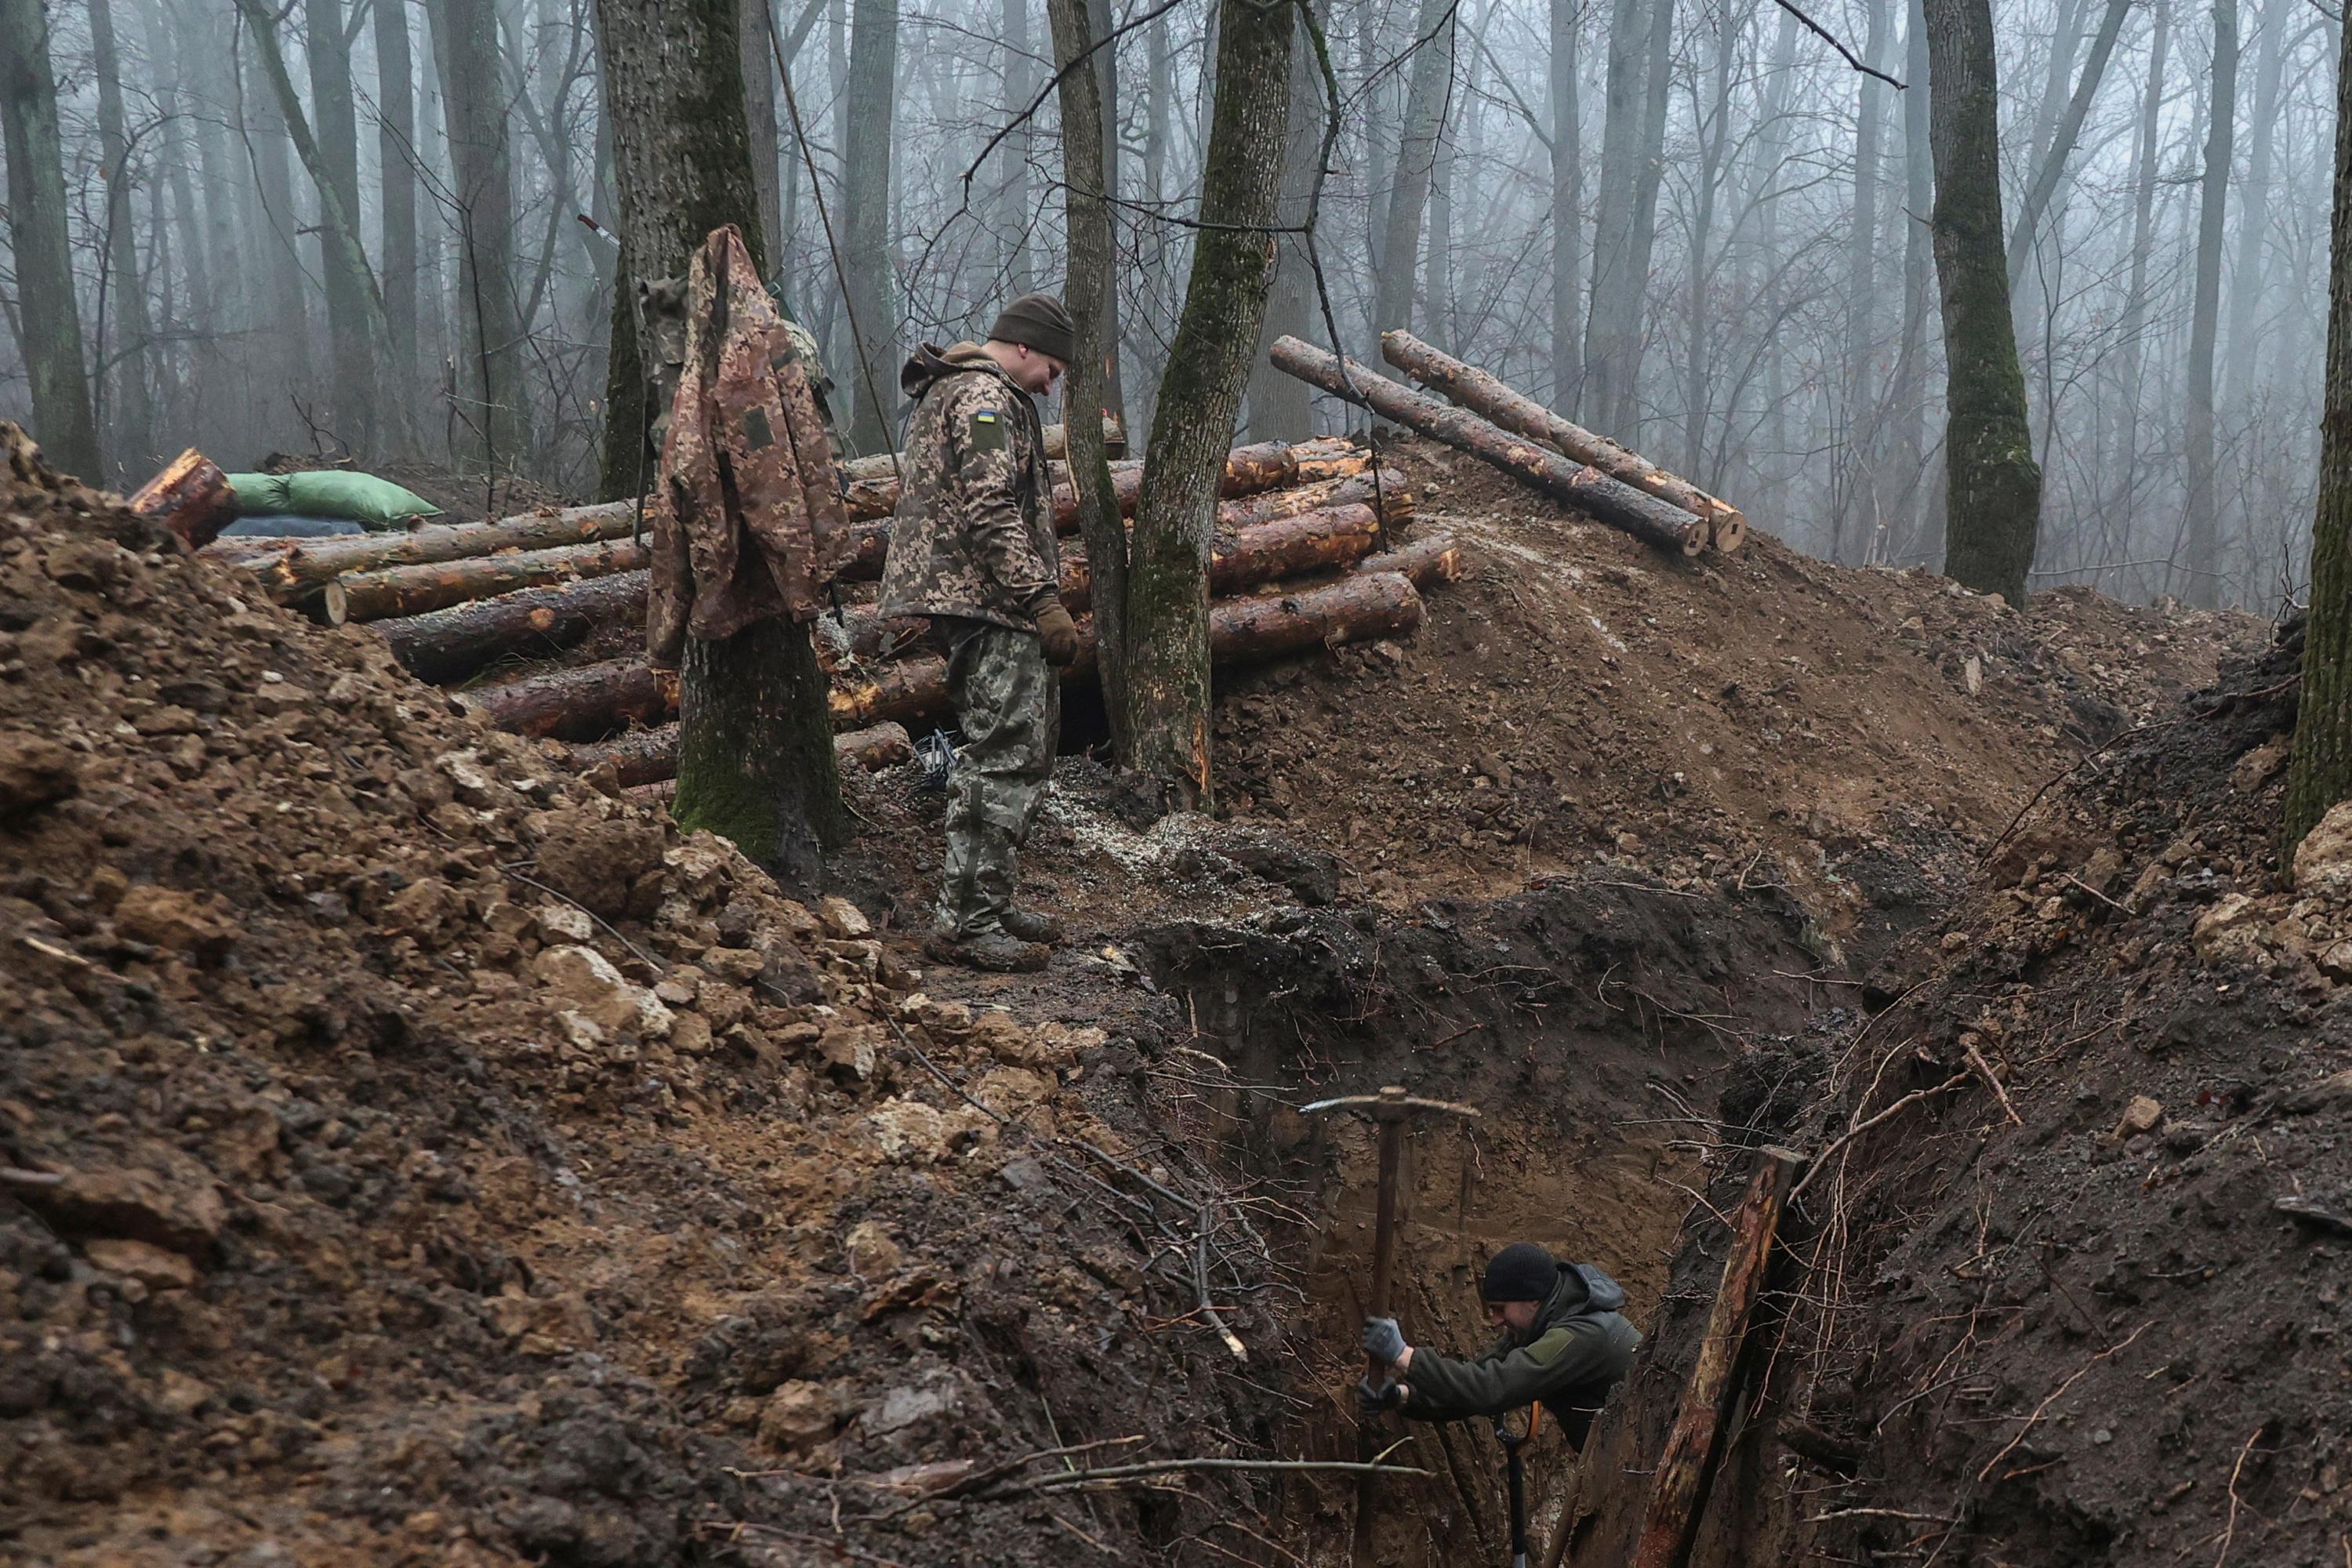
(986, 428)
(1550, 1347)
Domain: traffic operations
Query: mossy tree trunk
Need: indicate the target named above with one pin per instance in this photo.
(1087, 293)
(755, 754)
(2321, 774)
(1224, 305)
(62, 420)
(1993, 483)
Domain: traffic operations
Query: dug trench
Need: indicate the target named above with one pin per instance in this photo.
(413, 1154)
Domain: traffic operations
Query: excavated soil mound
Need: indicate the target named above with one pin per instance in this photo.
(2082, 1297)
(408, 1155)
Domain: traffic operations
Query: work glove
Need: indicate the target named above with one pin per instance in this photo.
(1383, 1340)
(1059, 633)
(1371, 1401)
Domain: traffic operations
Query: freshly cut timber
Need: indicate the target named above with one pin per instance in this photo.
(288, 572)
(1676, 1485)
(1485, 394)
(190, 497)
(449, 645)
(1391, 495)
(1282, 548)
(1659, 524)
(413, 590)
(873, 482)
(1385, 490)
(1436, 558)
(650, 756)
(582, 703)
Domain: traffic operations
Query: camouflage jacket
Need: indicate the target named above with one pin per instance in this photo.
(973, 533)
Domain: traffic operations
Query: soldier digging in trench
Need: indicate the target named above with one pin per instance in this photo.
(1565, 1343)
(972, 547)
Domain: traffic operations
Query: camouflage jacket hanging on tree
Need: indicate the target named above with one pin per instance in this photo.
(973, 533)
(725, 557)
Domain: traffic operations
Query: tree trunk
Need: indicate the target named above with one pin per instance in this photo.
(1621, 506)
(1567, 208)
(756, 765)
(1263, 553)
(1013, 218)
(1853, 506)
(1424, 123)
(352, 405)
(451, 645)
(753, 21)
(280, 301)
(2246, 280)
(1995, 486)
(2321, 772)
(2134, 313)
(465, 35)
(2203, 530)
(397, 151)
(1281, 409)
(1650, 170)
(413, 590)
(1100, 24)
(1698, 333)
(1906, 399)
(872, 371)
(1613, 225)
(1090, 295)
(1490, 398)
(124, 302)
(1167, 635)
(287, 571)
(2052, 170)
(586, 702)
(62, 418)
(190, 497)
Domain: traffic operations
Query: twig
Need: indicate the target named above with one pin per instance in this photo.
(641, 955)
(1821, 1161)
(1073, 1479)
(2230, 1531)
(1826, 36)
(2010, 1446)
(1200, 1283)
(1976, 1059)
(12, 1177)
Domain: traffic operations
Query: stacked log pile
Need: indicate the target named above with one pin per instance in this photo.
(1306, 551)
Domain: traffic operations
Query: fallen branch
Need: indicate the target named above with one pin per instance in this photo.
(1076, 1481)
(1822, 1160)
(413, 590)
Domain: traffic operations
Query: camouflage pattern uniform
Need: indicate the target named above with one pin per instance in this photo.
(972, 546)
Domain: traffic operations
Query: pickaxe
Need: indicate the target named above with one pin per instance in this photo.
(1389, 1110)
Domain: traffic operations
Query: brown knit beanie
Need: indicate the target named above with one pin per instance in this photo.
(1041, 322)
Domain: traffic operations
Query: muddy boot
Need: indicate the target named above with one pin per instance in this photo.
(1033, 925)
(997, 952)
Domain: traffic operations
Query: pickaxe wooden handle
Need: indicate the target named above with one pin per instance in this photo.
(1390, 1107)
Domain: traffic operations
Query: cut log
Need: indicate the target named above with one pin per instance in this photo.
(1659, 524)
(1489, 395)
(1385, 490)
(1675, 1485)
(570, 703)
(449, 645)
(288, 571)
(413, 590)
(1263, 554)
(1391, 496)
(644, 757)
(1436, 558)
(190, 497)
(872, 483)
(582, 703)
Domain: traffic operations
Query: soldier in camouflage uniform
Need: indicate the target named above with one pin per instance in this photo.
(972, 547)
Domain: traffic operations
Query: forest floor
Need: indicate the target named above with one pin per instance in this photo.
(414, 1156)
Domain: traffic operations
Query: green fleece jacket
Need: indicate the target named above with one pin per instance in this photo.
(1577, 1349)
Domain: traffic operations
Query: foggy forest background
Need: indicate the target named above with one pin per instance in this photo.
(1692, 226)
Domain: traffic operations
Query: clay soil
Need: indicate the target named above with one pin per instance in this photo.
(412, 1155)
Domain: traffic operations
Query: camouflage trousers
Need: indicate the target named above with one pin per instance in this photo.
(1008, 703)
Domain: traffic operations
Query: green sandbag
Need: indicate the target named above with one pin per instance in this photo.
(374, 504)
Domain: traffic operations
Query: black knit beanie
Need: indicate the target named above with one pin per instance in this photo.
(1042, 322)
(1520, 1272)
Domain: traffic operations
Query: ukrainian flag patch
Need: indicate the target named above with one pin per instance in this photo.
(987, 431)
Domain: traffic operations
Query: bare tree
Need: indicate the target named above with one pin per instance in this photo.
(1995, 508)
(2203, 565)
(865, 220)
(125, 298)
(62, 418)
(395, 108)
(497, 415)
